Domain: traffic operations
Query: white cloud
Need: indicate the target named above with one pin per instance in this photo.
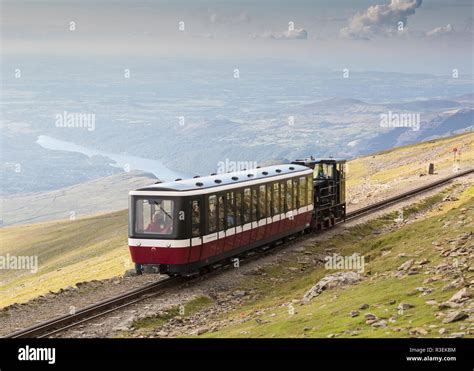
(380, 20)
(240, 18)
(295, 34)
(439, 31)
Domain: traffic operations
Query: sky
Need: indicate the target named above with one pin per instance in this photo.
(413, 36)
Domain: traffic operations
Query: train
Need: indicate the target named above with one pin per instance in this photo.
(186, 226)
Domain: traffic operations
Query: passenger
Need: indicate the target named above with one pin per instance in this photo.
(161, 223)
(321, 174)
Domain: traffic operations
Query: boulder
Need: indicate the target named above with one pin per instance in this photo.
(331, 281)
(455, 316)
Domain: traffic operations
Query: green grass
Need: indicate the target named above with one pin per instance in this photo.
(68, 252)
(328, 313)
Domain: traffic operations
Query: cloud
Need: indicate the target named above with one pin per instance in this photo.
(295, 34)
(440, 31)
(380, 19)
(240, 18)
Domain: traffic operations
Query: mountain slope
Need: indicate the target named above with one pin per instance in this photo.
(95, 247)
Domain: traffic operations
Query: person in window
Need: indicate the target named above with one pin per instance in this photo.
(321, 174)
(161, 223)
(196, 219)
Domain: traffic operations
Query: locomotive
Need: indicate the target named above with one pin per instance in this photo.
(186, 226)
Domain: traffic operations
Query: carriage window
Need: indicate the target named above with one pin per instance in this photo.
(212, 213)
(238, 208)
(221, 212)
(247, 208)
(310, 190)
(289, 194)
(282, 197)
(302, 191)
(262, 202)
(276, 198)
(230, 210)
(269, 200)
(254, 203)
(196, 218)
(296, 201)
(154, 216)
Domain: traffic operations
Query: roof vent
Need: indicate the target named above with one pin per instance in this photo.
(292, 168)
(265, 172)
(258, 167)
(196, 176)
(158, 182)
(218, 181)
(178, 179)
(213, 174)
(278, 170)
(199, 184)
(250, 175)
(235, 178)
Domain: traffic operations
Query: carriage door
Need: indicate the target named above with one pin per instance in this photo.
(196, 228)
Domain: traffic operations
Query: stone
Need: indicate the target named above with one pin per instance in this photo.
(354, 313)
(407, 265)
(442, 331)
(380, 324)
(202, 330)
(370, 316)
(239, 293)
(331, 281)
(418, 331)
(403, 306)
(461, 295)
(455, 316)
(364, 306)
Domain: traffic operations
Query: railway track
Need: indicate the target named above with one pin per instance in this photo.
(62, 323)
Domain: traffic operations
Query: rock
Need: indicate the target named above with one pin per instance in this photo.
(407, 265)
(458, 334)
(331, 336)
(239, 293)
(370, 316)
(442, 331)
(448, 305)
(455, 316)
(332, 281)
(124, 325)
(418, 331)
(380, 324)
(403, 306)
(201, 331)
(130, 273)
(354, 313)
(391, 302)
(364, 306)
(460, 296)
(431, 302)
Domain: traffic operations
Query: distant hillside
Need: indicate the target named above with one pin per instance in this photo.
(92, 197)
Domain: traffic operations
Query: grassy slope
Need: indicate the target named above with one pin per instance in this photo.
(412, 160)
(96, 247)
(328, 313)
(68, 252)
